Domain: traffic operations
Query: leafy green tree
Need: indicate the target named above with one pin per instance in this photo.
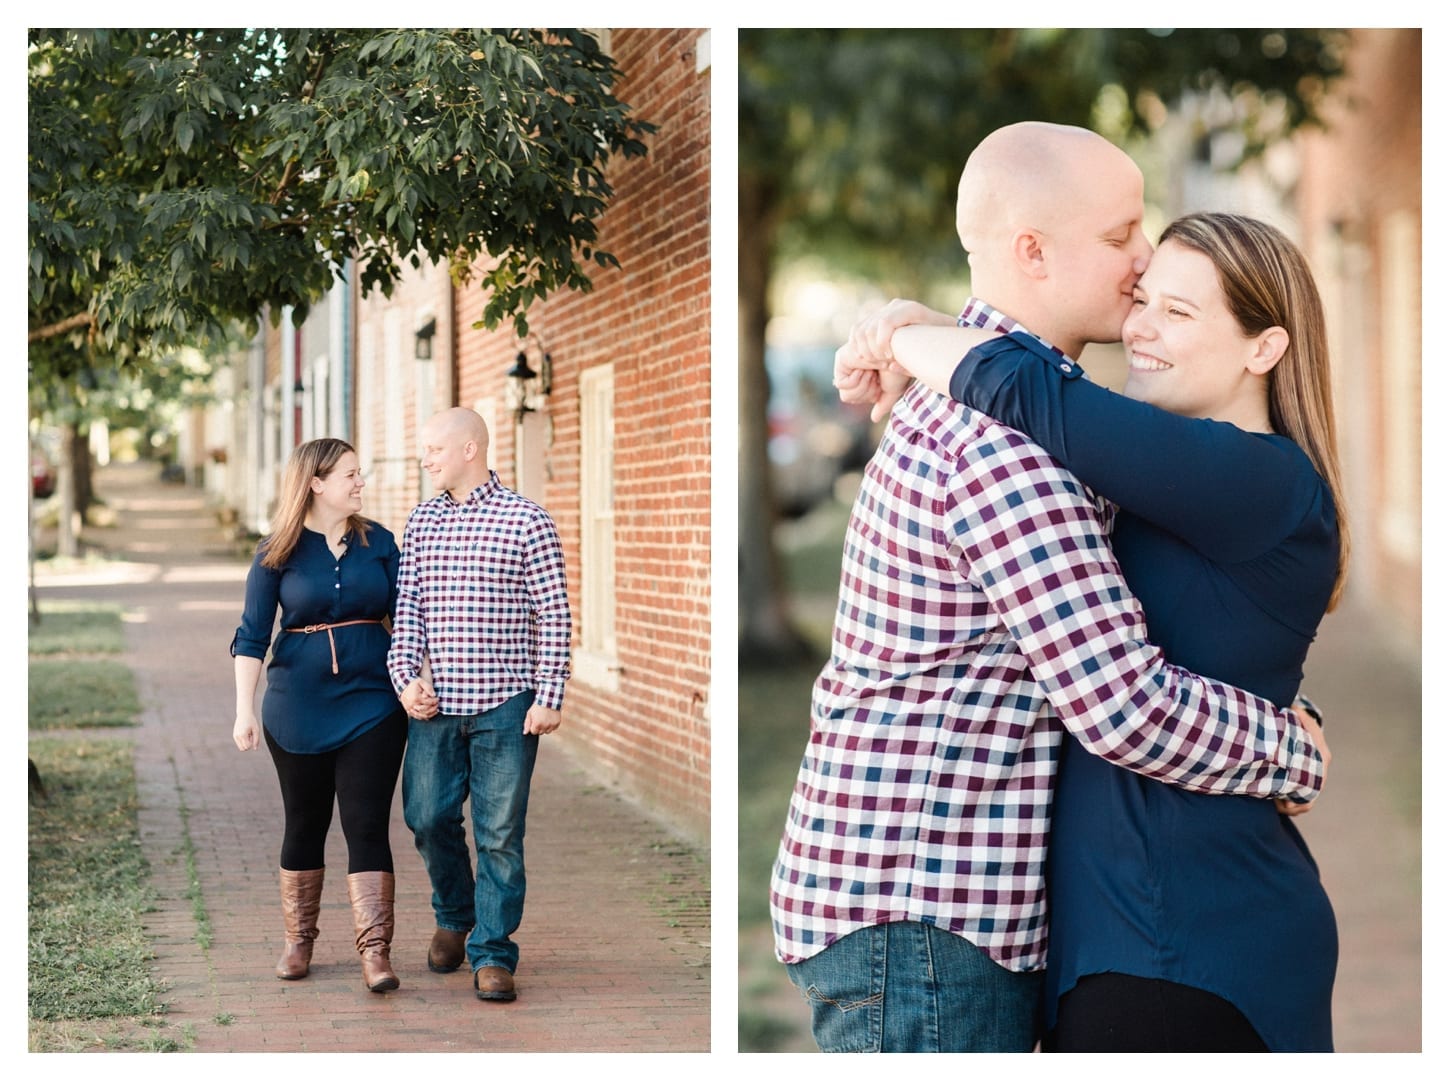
(183, 182)
(182, 179)
(852, 141)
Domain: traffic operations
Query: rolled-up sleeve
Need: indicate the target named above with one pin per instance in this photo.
(259, 611)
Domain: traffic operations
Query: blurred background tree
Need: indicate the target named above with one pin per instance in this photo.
(852, 141)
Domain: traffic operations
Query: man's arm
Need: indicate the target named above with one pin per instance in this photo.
(1027, 533)
(546, 585)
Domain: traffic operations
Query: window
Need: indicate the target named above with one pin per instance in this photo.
(597, 660)
(1400, 278)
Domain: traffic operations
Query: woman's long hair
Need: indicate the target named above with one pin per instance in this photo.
(1267, 283)
(315, 458)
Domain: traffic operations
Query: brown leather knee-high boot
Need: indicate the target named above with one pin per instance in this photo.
(372, 915)
(301, 899)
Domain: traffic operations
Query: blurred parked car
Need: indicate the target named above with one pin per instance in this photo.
(813, 436)
(42, 472)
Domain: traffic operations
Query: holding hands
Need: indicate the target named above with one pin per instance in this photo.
(419, 700)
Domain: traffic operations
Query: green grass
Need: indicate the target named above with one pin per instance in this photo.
(811, 550)
(81, 694)
(774, 724)
(71, 627)
(88, 955)
(90, 985)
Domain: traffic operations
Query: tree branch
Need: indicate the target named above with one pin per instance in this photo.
(309, 87)
(75, 322)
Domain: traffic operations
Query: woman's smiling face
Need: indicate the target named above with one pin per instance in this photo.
(1186, 351)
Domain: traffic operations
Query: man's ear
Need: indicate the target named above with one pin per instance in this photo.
(470, 450)
(1269, 349)
(1028, 253)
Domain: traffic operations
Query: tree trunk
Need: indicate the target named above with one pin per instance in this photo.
(67, 542)
(30, 532)
(80, 459)
(767, 634)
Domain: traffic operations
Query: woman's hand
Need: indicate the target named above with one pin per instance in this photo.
(246, 732)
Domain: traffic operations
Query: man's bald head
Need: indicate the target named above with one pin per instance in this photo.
(1024, 176)
(454, 451)
(1051, 217)
(461, 425)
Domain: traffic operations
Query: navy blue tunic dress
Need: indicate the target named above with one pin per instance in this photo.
(1230, 542)
(307, 709)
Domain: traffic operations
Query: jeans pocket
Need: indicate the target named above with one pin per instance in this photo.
(847, 1025)
(845, 987)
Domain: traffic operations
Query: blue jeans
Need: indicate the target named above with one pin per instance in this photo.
(486, 759)
(912, 987)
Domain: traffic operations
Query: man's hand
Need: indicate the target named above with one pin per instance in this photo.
(860, 383)
(541, 720)
(1290, 807)
(419, 700)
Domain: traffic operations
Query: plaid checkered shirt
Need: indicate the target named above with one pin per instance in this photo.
(981, 614)
(481, 592)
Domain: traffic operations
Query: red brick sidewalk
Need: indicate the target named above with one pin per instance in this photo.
(615, 942)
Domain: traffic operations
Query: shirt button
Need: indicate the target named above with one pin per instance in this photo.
(1066, 367)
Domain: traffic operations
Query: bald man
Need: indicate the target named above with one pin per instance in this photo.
(1051, 219)
(481, 600)
(981, 615)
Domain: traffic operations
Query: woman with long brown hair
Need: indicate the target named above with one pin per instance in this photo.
(330, 718)
(1182, 921)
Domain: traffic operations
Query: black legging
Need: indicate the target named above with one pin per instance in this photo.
(361, 775)
(1113, 1012)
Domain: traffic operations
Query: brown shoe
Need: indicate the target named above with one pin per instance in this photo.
(301, 899)
(371, 893)
(446, 952)
(494, 984)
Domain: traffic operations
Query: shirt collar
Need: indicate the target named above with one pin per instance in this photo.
(978, 313)
(480, 494)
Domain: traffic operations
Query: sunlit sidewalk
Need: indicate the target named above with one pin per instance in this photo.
(615, 943)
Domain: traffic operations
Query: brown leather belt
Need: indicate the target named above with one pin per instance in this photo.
(311, 627)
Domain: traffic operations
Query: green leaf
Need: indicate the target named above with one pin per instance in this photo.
(174, 189)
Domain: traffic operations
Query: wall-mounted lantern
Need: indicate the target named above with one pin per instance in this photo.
(526, 389)
(423, 340)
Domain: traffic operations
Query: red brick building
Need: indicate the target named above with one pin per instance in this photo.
(616, 446)
(615, 442)
(1360, 207)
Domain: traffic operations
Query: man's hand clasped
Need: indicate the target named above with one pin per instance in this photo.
(419, 700)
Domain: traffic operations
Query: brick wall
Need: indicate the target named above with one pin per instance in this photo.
(651, 320)
(391, 398)
(1360, 203)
